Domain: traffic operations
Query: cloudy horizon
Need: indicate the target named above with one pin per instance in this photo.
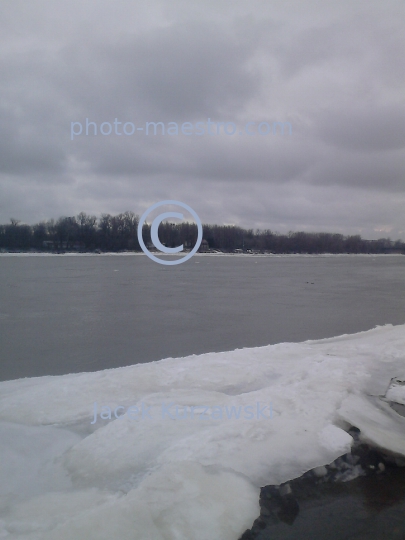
(333, 71)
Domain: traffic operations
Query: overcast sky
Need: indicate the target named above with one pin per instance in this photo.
(333, 69)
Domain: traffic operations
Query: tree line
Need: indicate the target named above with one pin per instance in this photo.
(119, 233)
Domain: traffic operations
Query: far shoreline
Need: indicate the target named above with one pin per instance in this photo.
(222, 254)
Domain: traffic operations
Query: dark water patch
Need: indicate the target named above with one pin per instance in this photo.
(360, 496)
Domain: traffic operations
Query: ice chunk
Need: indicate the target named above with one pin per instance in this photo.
(396, 391)
(380, 426)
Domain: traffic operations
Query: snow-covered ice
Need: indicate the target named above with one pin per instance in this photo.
(167, 478)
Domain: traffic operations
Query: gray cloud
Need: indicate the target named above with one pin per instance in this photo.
(335, 71)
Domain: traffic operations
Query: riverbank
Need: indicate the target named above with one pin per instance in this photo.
(213, 254)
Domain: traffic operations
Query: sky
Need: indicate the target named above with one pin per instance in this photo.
(332, 71)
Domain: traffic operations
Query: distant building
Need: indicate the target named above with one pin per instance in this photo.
(48, 244)
(204, 246)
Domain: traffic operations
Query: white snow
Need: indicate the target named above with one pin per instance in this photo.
(165, 477)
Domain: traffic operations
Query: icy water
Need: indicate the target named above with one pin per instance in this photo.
(62, 314)
(367, 508)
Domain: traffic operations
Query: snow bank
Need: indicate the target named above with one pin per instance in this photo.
(208, 432)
